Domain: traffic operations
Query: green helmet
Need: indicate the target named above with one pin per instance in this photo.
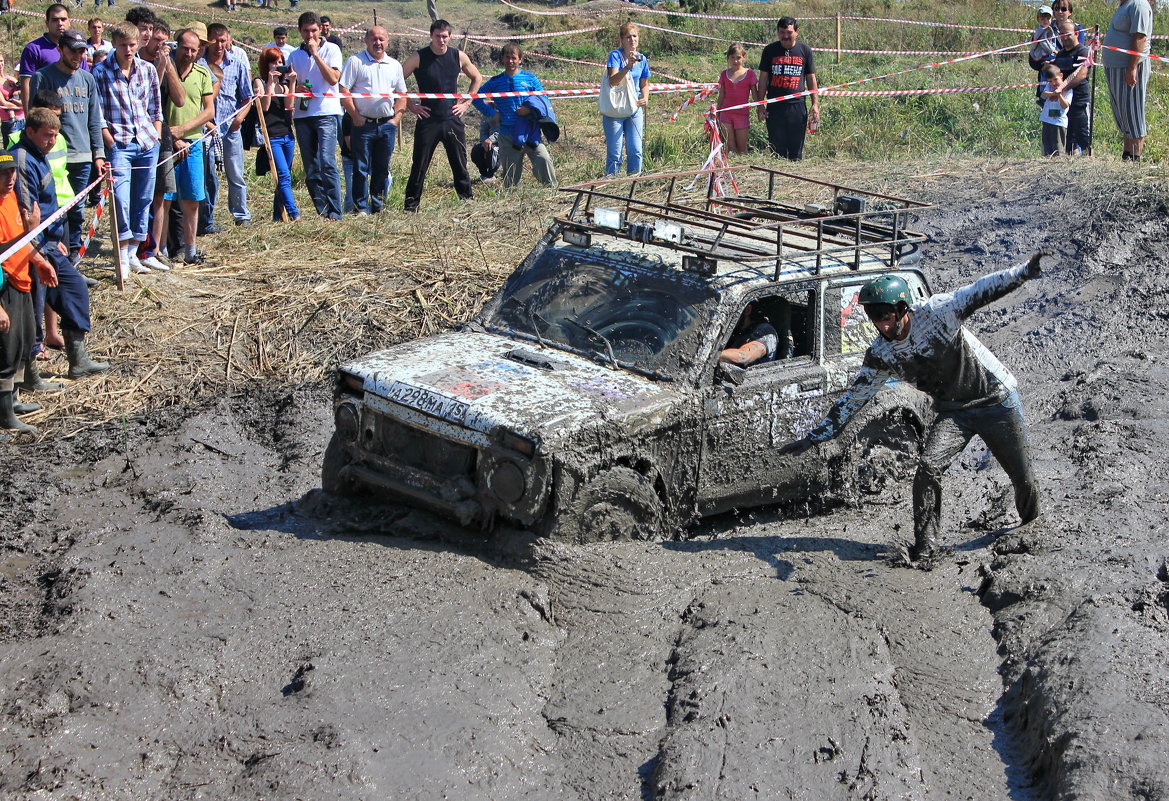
(890, 289)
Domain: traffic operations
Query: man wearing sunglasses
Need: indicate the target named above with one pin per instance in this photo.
(927, 346)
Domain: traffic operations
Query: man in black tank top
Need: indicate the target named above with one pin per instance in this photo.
(437, 68)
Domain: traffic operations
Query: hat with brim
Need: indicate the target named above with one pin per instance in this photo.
(200, 30)
(1044, 10)
(7, 160)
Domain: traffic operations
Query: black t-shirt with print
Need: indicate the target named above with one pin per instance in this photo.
(787, 69)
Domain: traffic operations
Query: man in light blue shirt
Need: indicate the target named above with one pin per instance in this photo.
(235, 90)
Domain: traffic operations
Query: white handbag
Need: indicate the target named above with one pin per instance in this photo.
(618, 101)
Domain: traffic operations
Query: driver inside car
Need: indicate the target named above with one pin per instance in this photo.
(753, 341)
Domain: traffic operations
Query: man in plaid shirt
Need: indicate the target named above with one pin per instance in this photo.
(132, 109)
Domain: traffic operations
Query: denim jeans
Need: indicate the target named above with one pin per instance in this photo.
(626, 130)
(346, 165)
(237, 190)
(133, 188)
(372, 145)
(318, 153)
(78, 179)
(283, 149)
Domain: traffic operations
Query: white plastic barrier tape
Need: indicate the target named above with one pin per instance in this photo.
(52, 218)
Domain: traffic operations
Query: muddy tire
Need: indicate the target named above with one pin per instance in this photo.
(336, 457)
(618, 504)
(889, 439)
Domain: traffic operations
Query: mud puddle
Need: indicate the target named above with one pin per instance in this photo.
(186, 617)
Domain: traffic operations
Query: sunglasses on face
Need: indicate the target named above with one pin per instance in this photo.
(882, 316)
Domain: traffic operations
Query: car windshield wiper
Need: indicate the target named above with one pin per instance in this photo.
(533, 316)
(598, 335)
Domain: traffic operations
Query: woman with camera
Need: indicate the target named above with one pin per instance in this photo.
(624, 94)
(273, 90)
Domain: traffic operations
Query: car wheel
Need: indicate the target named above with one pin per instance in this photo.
(618, 504)
(336, 457)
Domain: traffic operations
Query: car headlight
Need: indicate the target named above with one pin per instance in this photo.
(507, 481)
(348, 422)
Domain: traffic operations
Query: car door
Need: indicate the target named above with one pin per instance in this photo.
(749, 418)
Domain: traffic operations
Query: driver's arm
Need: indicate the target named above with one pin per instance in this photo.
(750, 353)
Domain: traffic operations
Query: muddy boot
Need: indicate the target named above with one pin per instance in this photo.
(80, 364)
(8, 418)
(923, 553)
(34, 383)
(25, 408)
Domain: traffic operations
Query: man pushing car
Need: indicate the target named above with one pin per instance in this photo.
(927, 346)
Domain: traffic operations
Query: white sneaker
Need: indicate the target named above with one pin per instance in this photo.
(137, 266)
(154, 264)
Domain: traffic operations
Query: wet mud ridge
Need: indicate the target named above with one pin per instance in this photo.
(186, 616)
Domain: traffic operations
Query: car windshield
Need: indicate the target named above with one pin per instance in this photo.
(644, 316)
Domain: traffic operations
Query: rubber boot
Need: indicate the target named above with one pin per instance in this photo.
(34, 383)
(25, 408)
(80, 364)
(8, 418)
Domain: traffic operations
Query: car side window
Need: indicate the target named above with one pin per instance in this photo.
(788, 317)
(847, 329)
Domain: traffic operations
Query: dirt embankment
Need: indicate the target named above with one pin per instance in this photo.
(187, 618)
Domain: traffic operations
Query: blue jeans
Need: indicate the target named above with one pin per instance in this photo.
(133, 188)
(283, 149)
(318, 153)
(237, 190)
(372, 145)
(626, 130)
(78, 179)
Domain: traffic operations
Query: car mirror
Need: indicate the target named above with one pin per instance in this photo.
(731, 373)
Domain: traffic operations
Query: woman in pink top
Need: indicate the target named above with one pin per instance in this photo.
(734, 89)
(10, 108)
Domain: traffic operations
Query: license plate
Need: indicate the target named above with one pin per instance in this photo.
(428, 402)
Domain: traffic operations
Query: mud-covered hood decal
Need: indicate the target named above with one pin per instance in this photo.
(469, 379)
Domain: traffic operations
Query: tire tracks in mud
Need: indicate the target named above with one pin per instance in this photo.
(776, 664)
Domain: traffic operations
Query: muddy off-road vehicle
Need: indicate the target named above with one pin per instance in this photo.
(587, 401)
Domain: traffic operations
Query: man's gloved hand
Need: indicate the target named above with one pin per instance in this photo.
(1033, 263)
(796, 447)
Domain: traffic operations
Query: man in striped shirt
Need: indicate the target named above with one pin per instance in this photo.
(132, 111)
(928, 346)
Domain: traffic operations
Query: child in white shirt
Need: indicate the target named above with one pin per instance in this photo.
(1056, 100)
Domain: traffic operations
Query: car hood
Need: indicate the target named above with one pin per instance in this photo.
(483, 381)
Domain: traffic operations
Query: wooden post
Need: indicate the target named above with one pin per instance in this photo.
(271, 155)
(838, 39)
(119, 269)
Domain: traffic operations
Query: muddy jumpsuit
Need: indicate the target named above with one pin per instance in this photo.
(974, 394)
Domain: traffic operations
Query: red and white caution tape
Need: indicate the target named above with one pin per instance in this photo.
(906, 92)
(48, 221)
(697, 96)
(826, 89)
(1135, 53)
(653, 88)
(101, 206)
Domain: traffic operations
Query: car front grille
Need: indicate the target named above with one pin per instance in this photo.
(423, 450)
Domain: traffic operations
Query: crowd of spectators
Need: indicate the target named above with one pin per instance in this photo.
(168, 109)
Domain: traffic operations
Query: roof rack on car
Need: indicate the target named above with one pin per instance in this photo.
(774, 216)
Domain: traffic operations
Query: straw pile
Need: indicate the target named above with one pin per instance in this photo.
(285, 304)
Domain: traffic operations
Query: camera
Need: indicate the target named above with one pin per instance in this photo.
(283, 69)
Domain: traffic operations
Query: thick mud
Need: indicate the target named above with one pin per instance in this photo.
(186, 616)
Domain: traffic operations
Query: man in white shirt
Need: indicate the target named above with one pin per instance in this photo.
(375, 120)
(317, 65)
(280, 42)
